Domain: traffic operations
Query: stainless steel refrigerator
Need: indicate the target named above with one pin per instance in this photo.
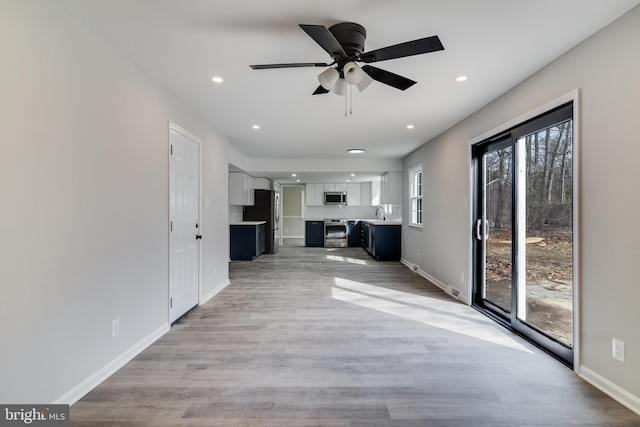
(266, 207)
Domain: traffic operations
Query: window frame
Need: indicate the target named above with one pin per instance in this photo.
(416, 196)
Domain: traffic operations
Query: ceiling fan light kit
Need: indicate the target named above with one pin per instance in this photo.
(344, 42)
(328, 78)
(352, 73)
(339, 88)
(364, 82)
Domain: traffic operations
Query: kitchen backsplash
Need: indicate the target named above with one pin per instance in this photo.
(392, 212)
(235, 214)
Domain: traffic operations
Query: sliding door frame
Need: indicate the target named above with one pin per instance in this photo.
(571, 97)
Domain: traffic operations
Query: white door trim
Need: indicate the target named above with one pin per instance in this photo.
(572, 96)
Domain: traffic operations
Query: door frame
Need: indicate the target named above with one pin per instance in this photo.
(176, 128)
(574, 97)
(303, 206)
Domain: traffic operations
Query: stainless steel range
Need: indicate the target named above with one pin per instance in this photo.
(335, 233)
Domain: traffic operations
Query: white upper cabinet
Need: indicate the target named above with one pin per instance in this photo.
(335, 186)
(315, 194)
(358, 194)
(262, 184)
(353, 195)
(391, 188)
(365, 194)
(310, 194)
(241, 188)
(375, 198)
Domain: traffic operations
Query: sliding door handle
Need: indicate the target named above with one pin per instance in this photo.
(482, 234)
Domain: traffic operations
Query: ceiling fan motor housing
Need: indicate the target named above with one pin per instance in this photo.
(351, 37)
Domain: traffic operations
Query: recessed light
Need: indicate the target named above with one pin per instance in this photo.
(353, 174)
(217, 79)
(461, 78)
(293, 174)
(297, 180)
(410, 126)
(355, 150)
(256, 127)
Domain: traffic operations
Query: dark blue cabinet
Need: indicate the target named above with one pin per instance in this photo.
(364, 234)
(382, 241)
(353, 231)
(314, 233)
(246, 241)
(386, 242)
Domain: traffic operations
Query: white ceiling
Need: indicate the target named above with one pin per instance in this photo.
(182, 44)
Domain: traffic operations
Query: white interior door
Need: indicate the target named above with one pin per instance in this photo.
(184, 217)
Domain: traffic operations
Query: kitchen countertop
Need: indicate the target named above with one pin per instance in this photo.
(248, 223)
(381, 222)
(373, 221)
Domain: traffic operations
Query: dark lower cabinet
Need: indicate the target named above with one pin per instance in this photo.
(382, 241)
(314, 233)
(386, 242)
(353, 231)
(364, 234)
(246, 241)
(261, 239)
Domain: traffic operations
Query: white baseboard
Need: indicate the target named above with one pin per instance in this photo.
(77, 392)
(214, 292)
(614, 391)
(435, 281)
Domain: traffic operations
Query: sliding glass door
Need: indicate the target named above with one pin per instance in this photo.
(494, 227)
(524, 230)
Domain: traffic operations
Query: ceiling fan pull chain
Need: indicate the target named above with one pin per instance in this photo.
(350, 99)
(346, 101)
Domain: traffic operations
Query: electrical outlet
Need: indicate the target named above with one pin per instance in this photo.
(462, 277)
(115, 327)
(617, 350)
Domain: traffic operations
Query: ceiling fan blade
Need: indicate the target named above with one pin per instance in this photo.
(292, 65)
(388, 77)
(325, 39)
(415, 47)
(320, 90)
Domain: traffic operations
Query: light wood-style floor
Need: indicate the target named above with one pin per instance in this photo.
(329, 337)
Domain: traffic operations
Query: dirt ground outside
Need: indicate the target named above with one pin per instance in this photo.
(549, 278)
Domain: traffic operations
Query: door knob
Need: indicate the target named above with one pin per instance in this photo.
(198, 236)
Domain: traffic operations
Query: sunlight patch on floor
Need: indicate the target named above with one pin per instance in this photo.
(426, 310)
(346, 259)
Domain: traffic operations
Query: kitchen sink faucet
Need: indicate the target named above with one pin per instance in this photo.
(384, 218)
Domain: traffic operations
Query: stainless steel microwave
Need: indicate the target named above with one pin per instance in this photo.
(335, 198)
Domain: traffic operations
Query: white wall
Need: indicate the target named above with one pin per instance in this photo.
(605, 68)
(84, 203)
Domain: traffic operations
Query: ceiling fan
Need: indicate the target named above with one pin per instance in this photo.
(345, 43)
